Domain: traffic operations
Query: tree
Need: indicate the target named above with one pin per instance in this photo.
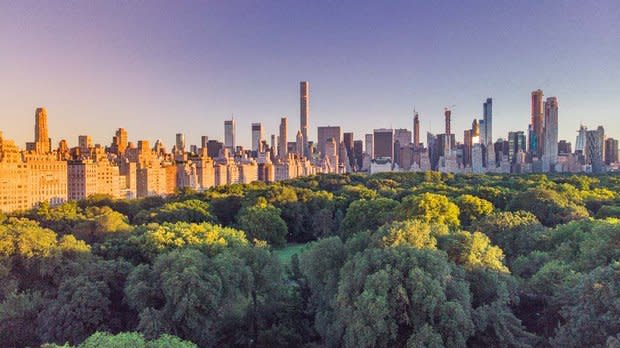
(192, 210)
(430, 207)
(473, 208)
(473, 250)
(262, 221)
(18, 314)
(129, 339)
(413, 233)
(101, 222)
(550, 207)
(367, 215)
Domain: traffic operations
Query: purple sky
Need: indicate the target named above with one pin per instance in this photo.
(158, 68)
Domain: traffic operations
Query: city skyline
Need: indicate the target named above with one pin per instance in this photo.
(185, 70)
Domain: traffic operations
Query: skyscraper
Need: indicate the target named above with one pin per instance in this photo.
(42, 142)
(611, 151)
(595, 149)
(299, 143)
(538, 123)
(283, 138)
(347, 139)
(416, 129)
(204, 140)
(447, 142)
(324, 133)
(257, 136)
(119, 141)
(229, 134)
(403, 136)
(550, 147)
(85, 143)
(487, 109)
(304, 114)
(368, 144)
(383, 143)
(180, 142)
(580, 142)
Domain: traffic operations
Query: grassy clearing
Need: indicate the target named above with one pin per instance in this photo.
(285, 253)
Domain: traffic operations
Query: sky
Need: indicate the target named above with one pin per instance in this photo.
(157, 68)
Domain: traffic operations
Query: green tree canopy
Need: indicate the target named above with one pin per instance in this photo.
(430, 207)
(262, 221)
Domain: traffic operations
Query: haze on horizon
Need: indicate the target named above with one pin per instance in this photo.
(185, 67)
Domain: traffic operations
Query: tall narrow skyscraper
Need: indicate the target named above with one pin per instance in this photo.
(416, 129)
(257, 136)
(41, 137)
(447, 141)
(304, 114)
(487, 109)
(229, 134)
(368, 144)
(283, 138)
(538, 123)
(180, 142)
(550, 147)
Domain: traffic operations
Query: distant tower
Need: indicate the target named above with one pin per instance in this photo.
(229, 134)
(368, 145)
(448, 145)
(41, 136)
(299, 143)
(121, 140)
(180, 142)
(283, 138)
(580, 142)
(538, 123)
(416, 129)
(304, 114)
(257, 136)
(487, 109)
(550, 148)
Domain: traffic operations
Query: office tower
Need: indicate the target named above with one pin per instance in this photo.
(85, 143)
(580, 142)
(467, 147)
(487, 110)
(229, 134)
(331, 154)
(282, 139)
(448, 133)
(433, 144)
(550, 147)
(358, 152)
(324, 133)
(403, 136)
(204, 140)
(299, 143)
(475, 132)
(538, 123)
(383, 143)
(180, 142)
(368, 148)
(41, 137)
(347, 139)
(120, 141)
(611, 151)
(304, 113)
(257, 136)
(416, 129)
(214, 148)
(595, 149)
(274, 147)
(564, 147)
(516, 144)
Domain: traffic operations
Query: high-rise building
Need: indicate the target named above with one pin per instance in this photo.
(538, 123)
(403, 136)
(611, 151)
(467, 147)
(475, 132)
(204, 140)
(282, 139)
(564, 147)
(580, 142)
(383, 143)
(368, 140)
(516, 144)
(229, 134)
(595, 149)
(42, 142)
(448, 138)
(550, 147)
(347, 139)
(304, 112)
(257, 136)
(487, 109)
(85, 143)
(416, 129)
(214, 148)
(180, 142)
(326, 132)
(358, 151)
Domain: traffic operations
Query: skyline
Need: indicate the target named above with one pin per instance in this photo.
(187, 69)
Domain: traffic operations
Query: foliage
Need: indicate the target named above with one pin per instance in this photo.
(473, 208)
(430, 207)
(262, 221)
(367, 215)
(191, 210)
(550, 207)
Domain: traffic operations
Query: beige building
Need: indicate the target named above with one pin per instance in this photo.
(14, 178)
(86, 178)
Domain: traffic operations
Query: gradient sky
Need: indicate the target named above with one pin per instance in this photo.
(158, 68)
